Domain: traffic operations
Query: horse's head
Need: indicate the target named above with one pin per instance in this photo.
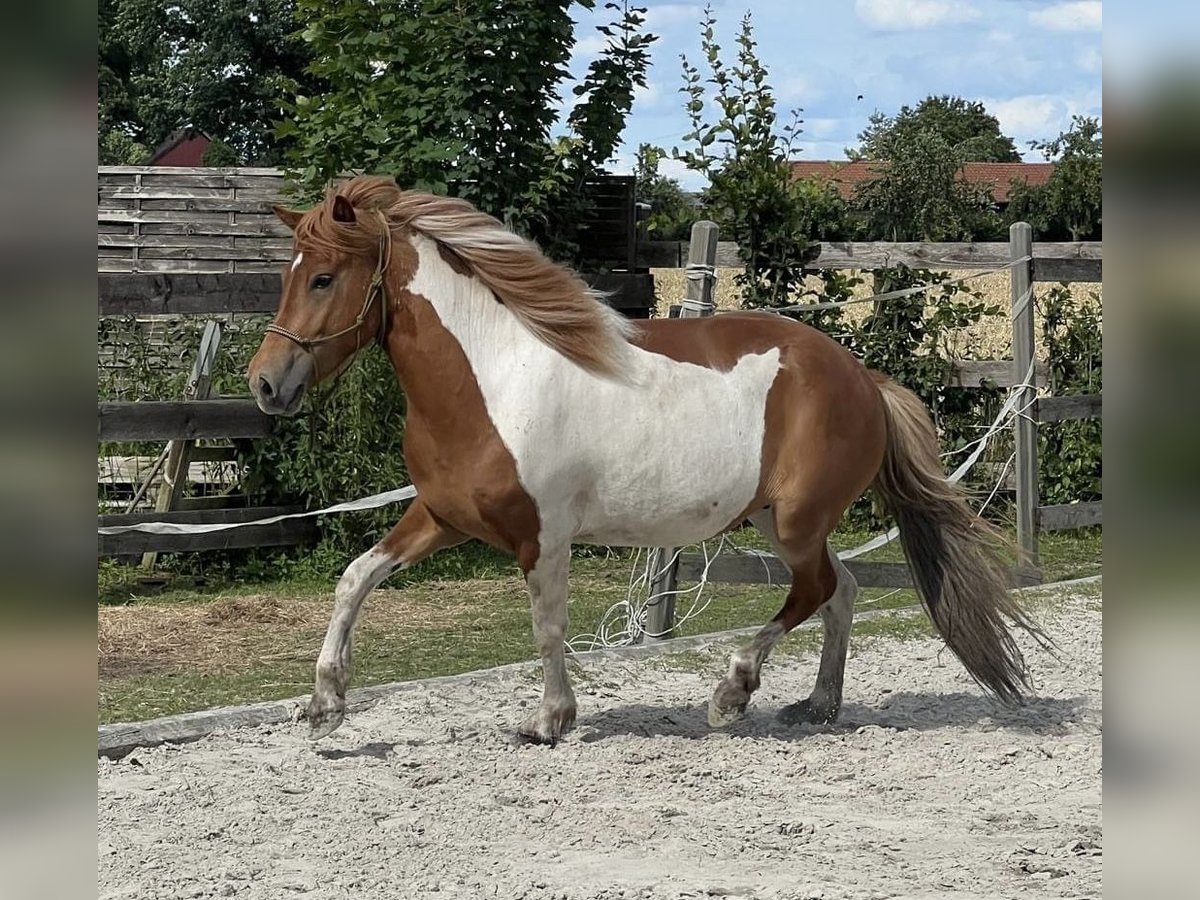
(334, 300)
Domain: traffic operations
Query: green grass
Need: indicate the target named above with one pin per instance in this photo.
(488, 623)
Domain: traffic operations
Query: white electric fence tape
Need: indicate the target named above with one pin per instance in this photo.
(372, 502)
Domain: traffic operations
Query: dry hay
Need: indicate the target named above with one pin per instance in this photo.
(234, 634)
(991, 338)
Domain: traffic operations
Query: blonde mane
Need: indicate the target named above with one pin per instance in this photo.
(551, 301)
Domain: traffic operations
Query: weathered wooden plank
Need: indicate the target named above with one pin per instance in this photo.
(626, 290)
(217, 252)
(1070, 515)
(186, 294)
(170, 419)
(1072, 257)
(202, 204)
(206, 242)
(1020, 236)
(232, 171)
(661, 254)
(743, 568)
(214, 501)
(1078, 270)
(279, 534)
(1063, 409)
(992, 373)
(134, 192)
(181, 218)
(264, 227)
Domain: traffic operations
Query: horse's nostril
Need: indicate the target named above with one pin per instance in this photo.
(264, 387)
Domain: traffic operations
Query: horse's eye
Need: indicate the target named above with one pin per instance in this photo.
(320, 282)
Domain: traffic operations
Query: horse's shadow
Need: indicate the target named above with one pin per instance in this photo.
(374, 750)
(902, 710)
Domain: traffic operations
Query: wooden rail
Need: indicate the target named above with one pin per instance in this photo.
(754, 568)
(1064, 409)
(190, 293)
(1052, 261)
(182, 419)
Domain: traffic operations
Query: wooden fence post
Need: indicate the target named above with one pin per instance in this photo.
(698, 301)
(1025, 430)
(179, 452)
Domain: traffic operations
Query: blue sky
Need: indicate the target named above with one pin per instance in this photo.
(1033, 64)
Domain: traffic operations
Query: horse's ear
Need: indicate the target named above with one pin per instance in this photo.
(289, 217)
(343, 210)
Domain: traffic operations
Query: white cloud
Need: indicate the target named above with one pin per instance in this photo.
(1089, 60)
(587, 47)
(909, 15)
(798, 89)
(662, 18)
(649, 96)
(1078, 15)
(1041, 116)
(1031, 116)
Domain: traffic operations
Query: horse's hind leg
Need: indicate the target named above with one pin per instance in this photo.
(814, 581)
(837, 617)
(413, 538)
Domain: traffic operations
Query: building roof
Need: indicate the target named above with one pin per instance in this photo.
(849, 175)
(181, 148)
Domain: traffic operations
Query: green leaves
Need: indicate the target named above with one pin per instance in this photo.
(462, 95)
(745, 155)
(967, 128)
(216, 66)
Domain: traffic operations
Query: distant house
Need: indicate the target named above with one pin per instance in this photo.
(182, 148)
(997, 177)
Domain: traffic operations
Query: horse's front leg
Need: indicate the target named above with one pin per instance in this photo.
(414, 537)
(547, 583)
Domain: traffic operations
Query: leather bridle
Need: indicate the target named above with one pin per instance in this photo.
(376, 288)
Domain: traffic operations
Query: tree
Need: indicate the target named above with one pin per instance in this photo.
(1075, 192)
(972, 133)
(672, 211)
(746, 157)
(217, 66)
(118, 124)
(462, 95)
(918, 194)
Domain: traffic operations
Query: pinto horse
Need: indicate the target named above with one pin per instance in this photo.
(538, 417)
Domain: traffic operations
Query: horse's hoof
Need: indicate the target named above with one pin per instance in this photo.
(323, 722)
(723, 716)
(805, 712)
(546, 726)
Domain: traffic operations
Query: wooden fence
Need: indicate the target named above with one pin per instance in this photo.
(204, 241)
(1034, 263)
(173, 241)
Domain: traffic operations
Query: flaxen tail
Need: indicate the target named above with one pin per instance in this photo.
(956, 558)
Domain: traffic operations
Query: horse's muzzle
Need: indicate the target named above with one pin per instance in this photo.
(279, 391)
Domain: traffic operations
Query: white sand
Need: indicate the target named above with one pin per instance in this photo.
(923, 789)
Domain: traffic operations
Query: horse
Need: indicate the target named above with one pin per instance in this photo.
(539, 417)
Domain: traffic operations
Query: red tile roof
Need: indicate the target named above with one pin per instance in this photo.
(849, 175)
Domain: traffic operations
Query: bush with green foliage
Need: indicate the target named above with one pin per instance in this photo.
(672, 211)
(746, 156)
(1070, 205)
(1070, 460)
(460, 96)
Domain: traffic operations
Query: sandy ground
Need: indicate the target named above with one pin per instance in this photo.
(923, 789)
